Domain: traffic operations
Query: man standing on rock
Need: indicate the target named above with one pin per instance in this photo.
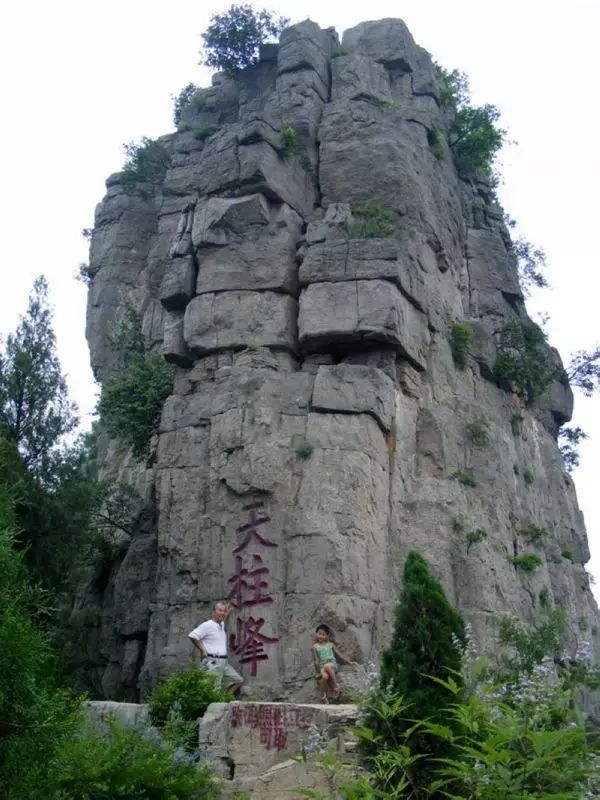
(210, 639)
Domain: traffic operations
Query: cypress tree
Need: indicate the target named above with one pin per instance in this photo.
(423, 644)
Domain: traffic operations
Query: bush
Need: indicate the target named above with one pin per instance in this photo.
(146, 165)
(534, 534)
(475, 537)
(338, 51)
(125, 762)
(461, 337)
(370, 221)
(182, 101)
(528, 476)
(478, 433)
(475, 138)
(233, 39)
(435, 141)
(189, 693)
(464, 478)
(290, 145)
(203, 132)
(304, 450)
(568, 554)
(131, 402)
(523, 359)
(528, 562)
(569, 439)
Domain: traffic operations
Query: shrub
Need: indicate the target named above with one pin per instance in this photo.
(528, 476)
(85, 274)
(528, 562)
(478, 433)
(458, 525)
(304, 450)
(475, 537)
(464, 478)
(534, 534)
(232, 40)
(568, 554)
(569, 439)
(523, 358)
(530, 263)
(370, 221)
(125, 762)
(454, 87)
(146, 165)
(188, 693)
(290, 145)
(338, 51)
(202, 132)
(461, 337)
(475, 138)
(131, 402)
(182, 101)
(435, 141)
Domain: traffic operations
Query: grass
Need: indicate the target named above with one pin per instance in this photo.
(528, 562)
(535, 534)
(464, 478)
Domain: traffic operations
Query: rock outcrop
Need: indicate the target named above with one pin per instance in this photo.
(318, 426)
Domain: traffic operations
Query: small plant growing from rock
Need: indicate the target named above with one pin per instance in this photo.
(568, 554)
(146, 165)
(478, 213)
(461, 337)
(338, 51)
(182, 101)
(528, 562)
(435, 141)
(478, 433)
(535, 534)
(370, 221)
(458, 525)
(85, 273)
(290, 145)
(464, 478)
(475, 537)
(523, 360)
(304, 450)
(203, 132)
(528, 476)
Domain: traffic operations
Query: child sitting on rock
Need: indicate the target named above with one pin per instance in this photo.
(325, 658)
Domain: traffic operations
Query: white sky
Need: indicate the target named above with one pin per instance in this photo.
(80, 78)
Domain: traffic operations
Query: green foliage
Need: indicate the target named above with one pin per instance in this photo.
(125, 762)
(522, 647)
(370, 221)
(475, 138)
(290, 144)
(35, 412)
(528, 562)
(531, 261)
(232, 40)
(568, 554)
(304, 450)
(85, 274)
(569, 439)
(528, 476)
(454, 88)
(458, 525)
(523, 361)
(183, 698)
(423, 614)
(182, 101)
(436, 142)
(203, 132)
(338, 51)
(516, 422)
(131, 402)
(478, 213)
(535, 534)
(584, 371)
(475, 537)
(478, 433)
(146, 165)
(461, 337)
(464, 478)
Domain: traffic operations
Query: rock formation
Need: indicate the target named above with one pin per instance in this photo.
(318, 427)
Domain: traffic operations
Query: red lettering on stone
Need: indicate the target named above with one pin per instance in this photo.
(248, 584)
(248, 642)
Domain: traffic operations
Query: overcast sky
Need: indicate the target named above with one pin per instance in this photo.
(80, 78)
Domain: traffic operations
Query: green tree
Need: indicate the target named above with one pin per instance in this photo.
(232, 40)
(569, 439)
(523, 358)
(424, 646)
(35, 410)
(182, 101)
(584, 371)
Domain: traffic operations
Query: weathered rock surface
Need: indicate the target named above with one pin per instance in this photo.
(317, 420)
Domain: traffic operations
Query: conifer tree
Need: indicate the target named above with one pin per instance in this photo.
(423, 644)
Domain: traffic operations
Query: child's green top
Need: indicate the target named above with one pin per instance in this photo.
(325, 654)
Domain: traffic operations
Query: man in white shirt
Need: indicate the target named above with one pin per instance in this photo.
(210, 639)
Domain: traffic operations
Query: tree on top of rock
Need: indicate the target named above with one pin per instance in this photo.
(424, 644)
(232, 40)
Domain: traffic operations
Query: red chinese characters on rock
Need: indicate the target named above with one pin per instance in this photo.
(273, 722)
(249, 587)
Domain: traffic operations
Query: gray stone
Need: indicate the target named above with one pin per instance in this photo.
(178, 284)
(174, 347)
(234, 320)
(305, 45)
(135, 715)
(359, 312)
(217, 218)
(358, 77)
(355, 389)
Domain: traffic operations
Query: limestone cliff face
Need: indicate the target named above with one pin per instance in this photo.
(289, 334)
